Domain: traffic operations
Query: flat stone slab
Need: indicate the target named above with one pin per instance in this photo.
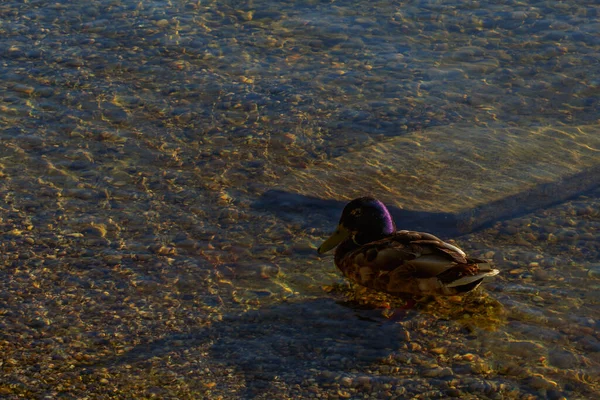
(451, 179)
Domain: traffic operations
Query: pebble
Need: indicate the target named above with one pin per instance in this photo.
(187, 244)
(594, 271)
(246, 15)
(346, 381)
(83, 194)
(563, 359)
(541, 382)
(438, 372)
(145, 284)
(115, 114)
(162, 23)
(23, 88)
(525, 349)
(38, 323)
(444, 74)
(113, 259)
(439, 350)
(519, 15)
(94, 231)
(541, 275)
(362, 381)
(111, 136)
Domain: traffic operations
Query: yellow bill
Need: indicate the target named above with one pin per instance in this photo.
(336, 238)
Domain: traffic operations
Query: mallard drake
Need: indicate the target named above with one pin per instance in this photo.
(372, 253)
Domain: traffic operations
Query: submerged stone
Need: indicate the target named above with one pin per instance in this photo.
(450, 179)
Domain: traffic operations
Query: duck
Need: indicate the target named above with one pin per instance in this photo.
(372, 253)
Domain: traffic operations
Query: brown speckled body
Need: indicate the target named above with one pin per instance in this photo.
(411, 262)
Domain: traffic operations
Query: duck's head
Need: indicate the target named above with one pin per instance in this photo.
(363, 220)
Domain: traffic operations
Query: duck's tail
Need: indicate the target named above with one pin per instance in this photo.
(470, 282)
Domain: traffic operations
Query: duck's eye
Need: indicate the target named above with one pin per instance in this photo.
(356, 212)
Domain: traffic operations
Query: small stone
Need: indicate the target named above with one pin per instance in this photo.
(145, 284)
(162, 23)
(289, 138)
(438, 372)
(327, 374)
(439, 350)
(23, 88)
(563, 359)
(113, 259)
(541, 275)
(94, 231)
(111, 137)
(540, 382)
(363, 381)
(37, 323)
(82, 194)
(247, 16)
(143, 257)
(480, 367)
(525, 349)
(519, 15)
(594, 271)
(187, 244)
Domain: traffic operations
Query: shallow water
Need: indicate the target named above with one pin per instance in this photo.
(137, 138)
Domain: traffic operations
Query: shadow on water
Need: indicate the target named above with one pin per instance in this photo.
(310, 211)
(289, 341)
(317, 341)
(313, 212)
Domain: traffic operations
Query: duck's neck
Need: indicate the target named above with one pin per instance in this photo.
(344, 248)
(364, 237)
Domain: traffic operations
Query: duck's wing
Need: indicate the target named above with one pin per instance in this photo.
(410, 261)
(409, 254)
(432, 243)
(448, 263)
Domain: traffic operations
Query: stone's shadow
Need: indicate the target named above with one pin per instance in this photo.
(320, 213)
(315, 212)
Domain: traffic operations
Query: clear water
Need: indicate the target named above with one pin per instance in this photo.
(137, 138)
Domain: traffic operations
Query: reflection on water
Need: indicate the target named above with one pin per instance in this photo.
(137, 138)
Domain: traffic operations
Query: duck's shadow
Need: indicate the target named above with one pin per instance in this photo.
(293, 342)
(317, 341)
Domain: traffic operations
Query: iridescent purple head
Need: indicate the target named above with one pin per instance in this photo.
(363, 220)
(368, 218)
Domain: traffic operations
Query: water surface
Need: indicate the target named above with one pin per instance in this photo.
(138, 136)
